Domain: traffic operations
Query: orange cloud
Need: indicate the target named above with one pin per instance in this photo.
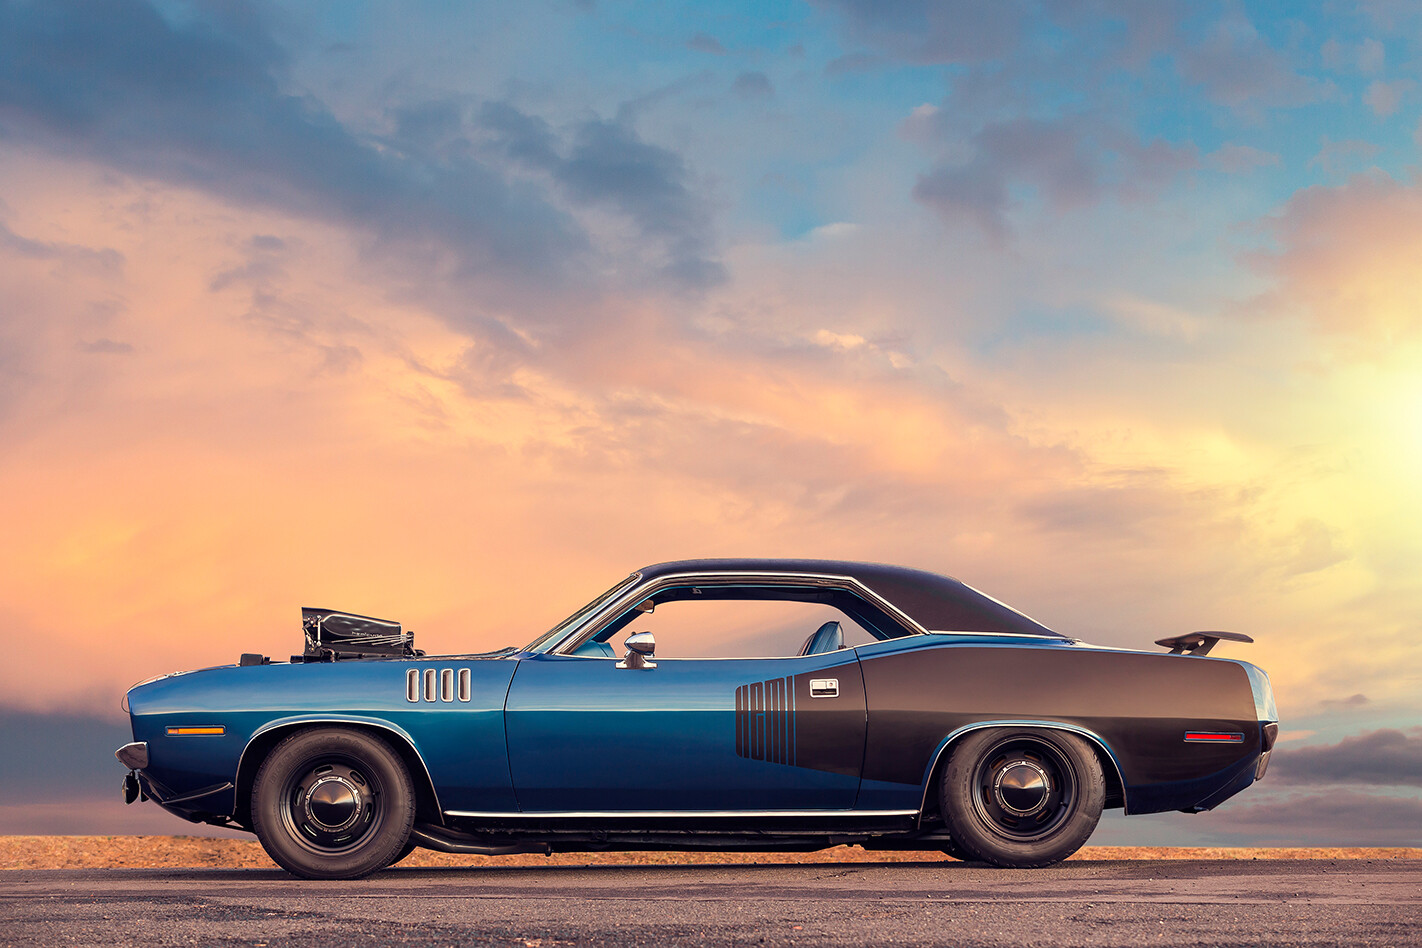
(274, 423)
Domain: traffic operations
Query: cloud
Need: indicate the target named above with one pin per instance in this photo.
(204, 102)
(1337, 818)
(936, 31)
(1368, 56)
(706, 43)
(1069, 162)
(1048, 44)
(1384, 98)
(1357, 700)
(59, 756)
(1338, 157)
(1238, 67)
(101, 259)
(60, 777)
(1347, 257)
(851, 63)
(753, 85)
(1386, 757)
(605, 163)
(105, 347)
(1240, 159)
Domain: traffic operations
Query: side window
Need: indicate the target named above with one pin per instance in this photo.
(722, 628)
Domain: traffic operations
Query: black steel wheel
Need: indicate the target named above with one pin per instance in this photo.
(1022, 797)
(333, 803)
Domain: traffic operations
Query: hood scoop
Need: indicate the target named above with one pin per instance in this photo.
(331, 636)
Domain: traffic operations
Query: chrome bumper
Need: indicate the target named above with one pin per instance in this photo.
(133, 756)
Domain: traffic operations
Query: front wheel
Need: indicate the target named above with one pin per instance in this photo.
(333, 803)
(1022, 798)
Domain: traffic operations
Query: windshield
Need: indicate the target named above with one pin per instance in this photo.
(557, 632)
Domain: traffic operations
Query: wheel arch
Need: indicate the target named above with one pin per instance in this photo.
(268, 736)
(1110, 766)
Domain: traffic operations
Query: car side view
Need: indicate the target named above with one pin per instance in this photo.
(744, 704)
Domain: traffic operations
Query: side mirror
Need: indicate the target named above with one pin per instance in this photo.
(641, 646)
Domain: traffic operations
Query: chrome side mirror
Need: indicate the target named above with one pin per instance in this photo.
(641, 647)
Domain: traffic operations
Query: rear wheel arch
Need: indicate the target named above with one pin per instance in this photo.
(263, 743)
(1022, 797)
(1110, 768)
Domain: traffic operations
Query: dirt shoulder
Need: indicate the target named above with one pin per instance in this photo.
(173, 852)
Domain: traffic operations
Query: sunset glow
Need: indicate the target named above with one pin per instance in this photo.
(454, 317)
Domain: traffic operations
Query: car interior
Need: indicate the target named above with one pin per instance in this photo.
(731, 621)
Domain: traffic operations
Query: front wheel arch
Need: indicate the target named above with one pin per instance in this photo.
(259, 747)
(333, 803)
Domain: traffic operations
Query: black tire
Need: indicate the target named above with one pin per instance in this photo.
(404, 851)
(333, 803)
(1021, 798)
(951, 848)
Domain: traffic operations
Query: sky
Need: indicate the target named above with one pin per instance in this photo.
(456, 313)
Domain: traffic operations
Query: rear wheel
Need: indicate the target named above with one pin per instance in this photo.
(1023, 797)
(951, 848)
(333, 803)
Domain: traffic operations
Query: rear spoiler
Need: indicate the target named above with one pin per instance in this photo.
(1199, 643)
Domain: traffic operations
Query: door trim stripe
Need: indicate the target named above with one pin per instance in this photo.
(668, 814)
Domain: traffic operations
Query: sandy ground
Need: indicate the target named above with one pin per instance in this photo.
(171, 852)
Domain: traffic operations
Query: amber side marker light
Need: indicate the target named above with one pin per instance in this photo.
(196, 731)
(1214, 737)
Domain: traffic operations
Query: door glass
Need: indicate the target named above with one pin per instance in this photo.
(738, 629)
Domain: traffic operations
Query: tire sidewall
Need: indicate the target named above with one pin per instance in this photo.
(969, 828)
(394, 800)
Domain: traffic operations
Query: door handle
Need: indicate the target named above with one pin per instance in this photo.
(824, 687)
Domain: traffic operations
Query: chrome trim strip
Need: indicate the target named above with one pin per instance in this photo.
(668, 814)
(134, 755)
(1055, 637)
(328, 719)
(1092, 736)
(576, 636)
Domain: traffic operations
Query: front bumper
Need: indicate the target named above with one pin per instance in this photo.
(133, 756)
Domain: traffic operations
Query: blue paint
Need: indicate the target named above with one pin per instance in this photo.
(586, 735)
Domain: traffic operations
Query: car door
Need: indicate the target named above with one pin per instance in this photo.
(689, 734)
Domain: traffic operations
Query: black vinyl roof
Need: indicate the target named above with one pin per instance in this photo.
(938, 603)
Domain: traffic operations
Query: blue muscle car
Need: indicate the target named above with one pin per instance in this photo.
(747, 705)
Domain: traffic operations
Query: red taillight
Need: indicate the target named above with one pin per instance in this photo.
(1214, 737)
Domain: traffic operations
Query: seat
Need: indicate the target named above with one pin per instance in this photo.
(827, 638)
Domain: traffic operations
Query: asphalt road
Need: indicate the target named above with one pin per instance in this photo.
(1275, 903)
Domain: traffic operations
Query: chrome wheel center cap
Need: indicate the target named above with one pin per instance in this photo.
(1022, 787)
(333, 803)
